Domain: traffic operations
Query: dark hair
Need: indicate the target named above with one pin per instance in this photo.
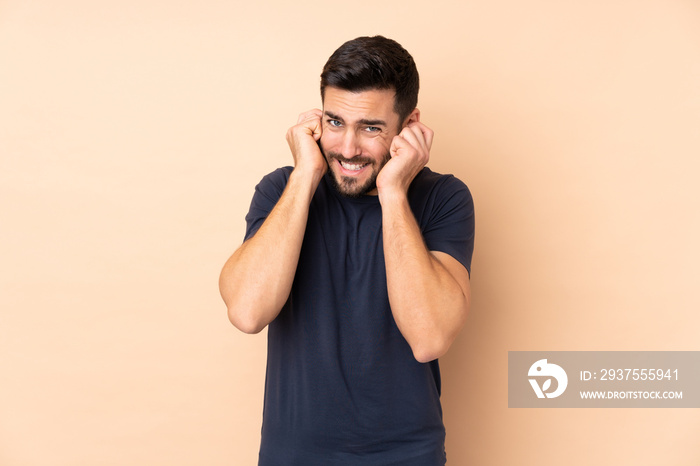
(374, 63)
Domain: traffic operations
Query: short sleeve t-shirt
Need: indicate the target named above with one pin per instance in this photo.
(342, 386)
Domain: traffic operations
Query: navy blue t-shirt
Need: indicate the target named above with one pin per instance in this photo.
(342, 385)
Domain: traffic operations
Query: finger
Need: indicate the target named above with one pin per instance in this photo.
(427, 133)
(415, 137)
(317, 130)
(310, 122)
(398, 143)
(313, 113)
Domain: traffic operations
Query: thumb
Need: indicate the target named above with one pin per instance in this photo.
(397, 143)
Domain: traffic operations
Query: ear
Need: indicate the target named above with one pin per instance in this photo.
(413, 117)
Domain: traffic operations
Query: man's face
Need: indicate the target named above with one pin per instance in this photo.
(358, 128)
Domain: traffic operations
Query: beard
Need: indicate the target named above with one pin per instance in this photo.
(348, 186)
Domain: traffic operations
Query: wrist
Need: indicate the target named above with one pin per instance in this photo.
(305, 180)
(392, 196)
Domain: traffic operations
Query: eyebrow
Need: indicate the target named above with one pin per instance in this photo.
(364, 121)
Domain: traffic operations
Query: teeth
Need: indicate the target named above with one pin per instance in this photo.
(352, 166)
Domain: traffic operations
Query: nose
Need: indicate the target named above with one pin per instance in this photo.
(350, 146)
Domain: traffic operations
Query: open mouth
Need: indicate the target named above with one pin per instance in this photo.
(352, 167)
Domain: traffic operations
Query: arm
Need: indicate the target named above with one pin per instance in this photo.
(256, 280)
(429, 291)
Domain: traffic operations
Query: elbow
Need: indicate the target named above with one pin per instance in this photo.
(246, 322)
(242, 313)
(424, 357)
(429, 346)
(434, 344)
(429, 350)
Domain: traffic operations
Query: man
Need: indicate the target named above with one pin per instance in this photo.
(358, 260)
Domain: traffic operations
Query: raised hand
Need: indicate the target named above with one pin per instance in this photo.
(410, 151)
(303, 141)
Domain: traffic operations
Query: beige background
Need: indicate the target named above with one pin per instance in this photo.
(133, 132)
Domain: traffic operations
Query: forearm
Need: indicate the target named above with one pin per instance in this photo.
(256, 281)
(428, 304)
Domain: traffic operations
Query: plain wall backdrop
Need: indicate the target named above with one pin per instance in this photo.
(132, 134)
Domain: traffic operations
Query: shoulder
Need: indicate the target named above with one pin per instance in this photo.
(277, 177)
(272, 184)
(430, 188)
(267, 193)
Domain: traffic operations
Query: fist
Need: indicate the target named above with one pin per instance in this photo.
(303, 142)
(410, 151)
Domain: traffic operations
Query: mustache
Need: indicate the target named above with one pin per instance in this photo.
(359, 159)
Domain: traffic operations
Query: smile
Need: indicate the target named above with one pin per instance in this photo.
(353, 167)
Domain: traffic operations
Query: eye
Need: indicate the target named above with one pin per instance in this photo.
(373, 129)
(334, 123)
